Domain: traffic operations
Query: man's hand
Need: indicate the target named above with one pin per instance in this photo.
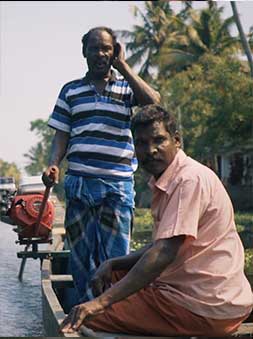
(79, 313)
(119, 57)
(50, 176)
(143, 92)
(102, 278)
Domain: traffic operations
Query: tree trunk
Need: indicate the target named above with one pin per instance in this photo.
(244, 40)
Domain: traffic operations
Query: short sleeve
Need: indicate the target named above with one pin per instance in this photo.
(182, 214)
(60, 119)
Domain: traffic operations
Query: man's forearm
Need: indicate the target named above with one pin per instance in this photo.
(144, 93)
(59, 147)
(128, 261)
(146, 270)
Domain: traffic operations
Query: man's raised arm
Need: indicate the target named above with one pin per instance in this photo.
(144, 93)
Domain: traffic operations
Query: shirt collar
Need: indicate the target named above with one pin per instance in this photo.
(113, 78)
(163, 181)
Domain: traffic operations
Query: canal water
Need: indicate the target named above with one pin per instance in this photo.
(20, 302)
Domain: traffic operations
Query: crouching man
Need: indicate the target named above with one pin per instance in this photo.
(190, 280)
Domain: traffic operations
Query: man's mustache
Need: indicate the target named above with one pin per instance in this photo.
(150, 159)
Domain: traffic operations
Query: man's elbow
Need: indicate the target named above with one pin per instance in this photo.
(156, 98)
(150, 99)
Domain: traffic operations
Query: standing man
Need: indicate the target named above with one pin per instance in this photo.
(190, 280)
(92, 122)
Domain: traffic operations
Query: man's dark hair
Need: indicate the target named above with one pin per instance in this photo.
(86, 36)
(151, 113)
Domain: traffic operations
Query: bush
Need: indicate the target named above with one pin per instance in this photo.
(249, 261)
(244, 221)
(142, 230)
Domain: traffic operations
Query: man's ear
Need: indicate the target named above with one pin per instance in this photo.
(177, 139)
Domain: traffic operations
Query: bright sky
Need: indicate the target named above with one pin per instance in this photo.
(40, 45)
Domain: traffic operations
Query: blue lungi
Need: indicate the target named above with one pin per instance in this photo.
(98, 224)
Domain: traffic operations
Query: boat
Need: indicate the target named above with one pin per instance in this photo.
(55, 281)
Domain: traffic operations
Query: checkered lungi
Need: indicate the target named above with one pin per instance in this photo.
(98, 225)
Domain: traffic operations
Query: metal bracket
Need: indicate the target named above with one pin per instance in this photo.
(43, 254)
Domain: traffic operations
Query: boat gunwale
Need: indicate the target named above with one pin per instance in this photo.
(53, 313)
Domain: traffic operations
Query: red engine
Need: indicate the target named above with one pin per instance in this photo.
(24, 212)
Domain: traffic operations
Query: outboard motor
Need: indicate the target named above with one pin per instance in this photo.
(24, 213)
(25, 210)
(32, 213)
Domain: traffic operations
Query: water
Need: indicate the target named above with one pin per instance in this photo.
(20, 303)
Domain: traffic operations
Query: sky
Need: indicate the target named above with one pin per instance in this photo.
(40, 50)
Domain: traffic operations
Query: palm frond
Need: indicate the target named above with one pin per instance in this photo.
(123, 33)
(195, 38)
(174, 57)
(225, 27)
(136, 58)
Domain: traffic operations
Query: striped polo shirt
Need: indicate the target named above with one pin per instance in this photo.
(101, 142)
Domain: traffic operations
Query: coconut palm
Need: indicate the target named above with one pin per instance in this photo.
(145, 41)
(168, 42)
(204, 32)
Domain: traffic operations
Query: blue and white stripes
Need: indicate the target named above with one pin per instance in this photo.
(101, 142)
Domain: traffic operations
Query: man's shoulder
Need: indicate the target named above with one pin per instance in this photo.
(73, 84)
(195, 171)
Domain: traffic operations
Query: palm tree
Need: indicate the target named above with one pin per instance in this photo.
(146, 41)
(168, 42)
(204, 32)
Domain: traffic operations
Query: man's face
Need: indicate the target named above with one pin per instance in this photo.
(99, 53)
(155, 148)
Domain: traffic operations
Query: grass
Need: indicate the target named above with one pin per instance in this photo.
(244, 221)
(142, 231)
(143, 223)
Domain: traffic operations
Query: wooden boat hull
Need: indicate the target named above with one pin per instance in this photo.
(53, 311)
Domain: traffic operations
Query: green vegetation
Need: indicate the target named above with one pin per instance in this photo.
(212, 113)
(249, 261)
(143, 221)
(38, 155)
(9, 170)
(244, 221)
(142, 232)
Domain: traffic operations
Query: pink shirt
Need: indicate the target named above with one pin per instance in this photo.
(207, 276)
